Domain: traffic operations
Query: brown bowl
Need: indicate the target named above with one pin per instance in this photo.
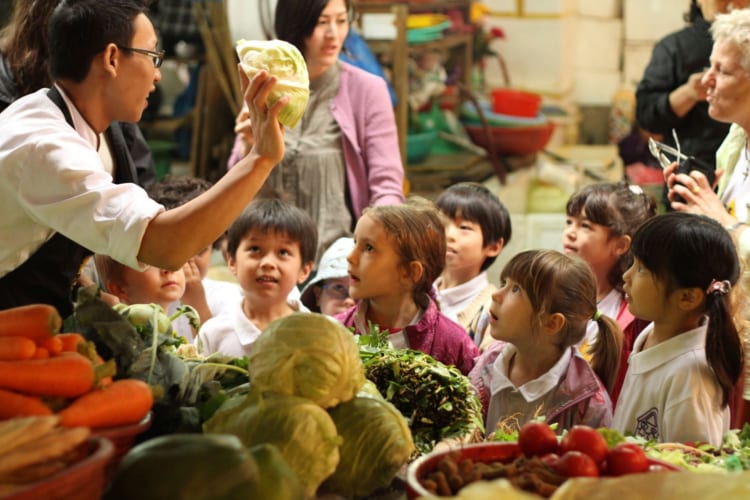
(486, 452)
(519, 141)
(83, 480)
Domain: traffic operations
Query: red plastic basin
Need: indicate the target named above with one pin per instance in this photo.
(512, 140)
(515, 102)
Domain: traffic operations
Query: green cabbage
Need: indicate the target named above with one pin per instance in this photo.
(308, 355)
(210, 466)
(376, 444)
(284, 61)
(301, 430)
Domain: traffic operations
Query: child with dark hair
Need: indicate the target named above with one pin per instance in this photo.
(540, 313)
(685, 364)
(271, 249)
(207, 296)
(600, 222)
(399, 251)
(477, 229)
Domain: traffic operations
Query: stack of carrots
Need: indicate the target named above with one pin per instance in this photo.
(43, 372)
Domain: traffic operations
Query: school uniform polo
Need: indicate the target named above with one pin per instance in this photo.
(670, 393)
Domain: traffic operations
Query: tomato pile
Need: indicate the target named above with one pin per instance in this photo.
(582, 451)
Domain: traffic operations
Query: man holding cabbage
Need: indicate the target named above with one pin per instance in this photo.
(57, 203)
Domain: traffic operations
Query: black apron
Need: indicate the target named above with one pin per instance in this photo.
(49, 275)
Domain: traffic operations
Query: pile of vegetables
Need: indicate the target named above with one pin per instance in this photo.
(438, 401)
(305, 399)
(43, 372)
(732, 456)
(140, 340)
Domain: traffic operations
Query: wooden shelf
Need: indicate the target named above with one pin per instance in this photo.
(440, 171)
(460, 44)
(447, 42)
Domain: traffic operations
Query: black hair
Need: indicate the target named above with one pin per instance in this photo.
(80, 29)
(276, 216)
(619, 207)
(474, 202)
(174, 191)
(685, 250)
(296, 19)
(694, 12)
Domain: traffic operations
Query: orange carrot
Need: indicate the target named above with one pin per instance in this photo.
(52, 344)
(70, 341)
(16, 348)
(68, 374)
(34, 321)
(13, 404)
(40, 353)
(125, 401)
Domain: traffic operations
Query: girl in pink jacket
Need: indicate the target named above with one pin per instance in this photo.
(399, 252)
(540, 313)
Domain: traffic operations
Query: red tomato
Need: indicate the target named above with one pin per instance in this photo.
(586, 440)
(576, 464)
(536, 439)
(626, 458)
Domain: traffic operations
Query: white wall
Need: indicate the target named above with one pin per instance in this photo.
(244, 18)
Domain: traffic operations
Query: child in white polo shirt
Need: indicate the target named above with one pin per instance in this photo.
(684, 365)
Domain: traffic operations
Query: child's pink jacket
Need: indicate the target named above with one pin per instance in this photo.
(579, 398)
(435, 334)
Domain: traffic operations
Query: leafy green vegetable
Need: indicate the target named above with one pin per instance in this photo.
(612, 436)
(303, 431)
(308, 355)
(438, 401)
(732, 456)
(211, 467)
(284, 61)
(143, 344)
(369, 459)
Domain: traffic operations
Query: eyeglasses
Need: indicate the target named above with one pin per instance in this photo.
(658, 149)
(336, 290)
(157, 57)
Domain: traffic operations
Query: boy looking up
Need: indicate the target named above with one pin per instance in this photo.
(271, 249)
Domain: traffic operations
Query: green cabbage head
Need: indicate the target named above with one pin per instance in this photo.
(377, 442)
(284, 61)
(308, 355)
(302, 431)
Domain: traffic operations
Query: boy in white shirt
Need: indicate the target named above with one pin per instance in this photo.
(271, 249)
(477, 228)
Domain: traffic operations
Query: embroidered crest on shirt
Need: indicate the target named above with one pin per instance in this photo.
(648, 424)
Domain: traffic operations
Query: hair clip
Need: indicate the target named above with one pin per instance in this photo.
(719, 287)
(635, 189)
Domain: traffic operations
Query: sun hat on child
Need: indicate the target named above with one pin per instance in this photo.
(332, 265)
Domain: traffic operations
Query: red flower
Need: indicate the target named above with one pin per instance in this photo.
(497, 33)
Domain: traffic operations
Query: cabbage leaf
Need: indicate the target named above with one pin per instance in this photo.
(284, 61)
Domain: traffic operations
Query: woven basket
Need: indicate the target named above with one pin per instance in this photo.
(84, 480)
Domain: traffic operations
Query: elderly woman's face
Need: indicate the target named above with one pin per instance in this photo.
(728, 85)
(709, 8)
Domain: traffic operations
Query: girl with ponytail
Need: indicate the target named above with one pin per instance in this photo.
(685, 364)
